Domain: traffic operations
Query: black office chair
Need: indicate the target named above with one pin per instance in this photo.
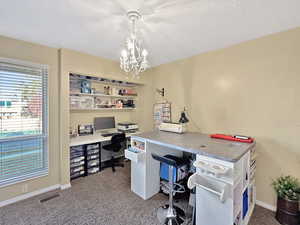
(116, 145)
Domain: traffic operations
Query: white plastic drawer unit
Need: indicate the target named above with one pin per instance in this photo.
(210, 168)
(222, 170)
(135, 155)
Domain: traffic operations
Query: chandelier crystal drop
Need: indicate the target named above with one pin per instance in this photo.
(133, 57)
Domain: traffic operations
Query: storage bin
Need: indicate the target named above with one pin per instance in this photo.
(93, 151)
(78, 148)
(179, 173)
(77, 174)
(75, 102)
(92, 157)
(245, 203)
(76, 154)
(93, 146)
(93, 163)
(93, 170)
(77, 164)
(78, 159)
(76, 169)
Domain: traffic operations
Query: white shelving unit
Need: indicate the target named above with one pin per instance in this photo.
(106, 96)
(105, 81)
(103, 109)
(84, 102)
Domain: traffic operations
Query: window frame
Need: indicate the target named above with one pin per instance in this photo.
(45, 120)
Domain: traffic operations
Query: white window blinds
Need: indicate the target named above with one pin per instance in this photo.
(23, 121)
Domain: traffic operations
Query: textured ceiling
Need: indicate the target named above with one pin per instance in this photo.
(170, 29)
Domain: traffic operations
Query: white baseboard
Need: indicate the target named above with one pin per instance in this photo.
(29, 195)
(65, 186)
(266, 205)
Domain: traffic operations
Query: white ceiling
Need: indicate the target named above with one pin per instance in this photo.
(171, 29)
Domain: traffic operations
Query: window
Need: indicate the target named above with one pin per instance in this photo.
(23, 121)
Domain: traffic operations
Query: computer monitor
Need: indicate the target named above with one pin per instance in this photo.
(104, 123)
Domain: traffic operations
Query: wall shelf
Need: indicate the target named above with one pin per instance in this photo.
(109, 98)
(105, 81)
(103, 95)
(103, 109)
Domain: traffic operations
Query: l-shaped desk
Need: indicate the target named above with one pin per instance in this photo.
(224, 181)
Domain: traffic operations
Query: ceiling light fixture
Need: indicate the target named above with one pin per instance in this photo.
(134, 57)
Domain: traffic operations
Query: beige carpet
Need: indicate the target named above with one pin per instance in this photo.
(101, 199)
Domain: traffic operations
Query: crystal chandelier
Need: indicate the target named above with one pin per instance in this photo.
(134, 57)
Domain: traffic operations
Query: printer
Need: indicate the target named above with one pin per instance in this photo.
(127, 127)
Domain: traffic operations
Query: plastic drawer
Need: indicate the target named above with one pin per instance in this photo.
(77, 148)
(76, 154)
(92, 157)
(93, 163)
(77, 164)
(136, 156)
(93, 146)
(78, 159)
(76, 169)
(93, 170)
(78, 174)
(93, 151)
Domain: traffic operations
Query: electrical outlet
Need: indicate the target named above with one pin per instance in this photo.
(25, 188)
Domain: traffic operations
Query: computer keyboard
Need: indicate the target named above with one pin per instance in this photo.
(109, 134)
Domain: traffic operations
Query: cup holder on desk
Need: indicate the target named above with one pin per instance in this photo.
(211, 168)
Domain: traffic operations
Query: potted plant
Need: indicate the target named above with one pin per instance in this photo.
(288, 192)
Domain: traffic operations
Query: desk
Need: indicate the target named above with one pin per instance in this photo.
(198, 143)
(90, 139)
(233, 157)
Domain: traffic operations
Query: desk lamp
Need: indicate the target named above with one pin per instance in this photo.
(183, 118)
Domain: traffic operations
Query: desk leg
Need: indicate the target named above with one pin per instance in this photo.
(152, 167)
(85, 161)
(100, 163)
(145, 176)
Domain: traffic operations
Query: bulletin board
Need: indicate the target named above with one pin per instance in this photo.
(161, 113)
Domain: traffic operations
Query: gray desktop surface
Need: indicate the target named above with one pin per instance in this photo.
(198, 143)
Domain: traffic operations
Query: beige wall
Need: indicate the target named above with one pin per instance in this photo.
(252, 88)
(11, 48)
(72, 61)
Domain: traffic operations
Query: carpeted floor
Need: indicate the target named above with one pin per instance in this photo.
(101, 199)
